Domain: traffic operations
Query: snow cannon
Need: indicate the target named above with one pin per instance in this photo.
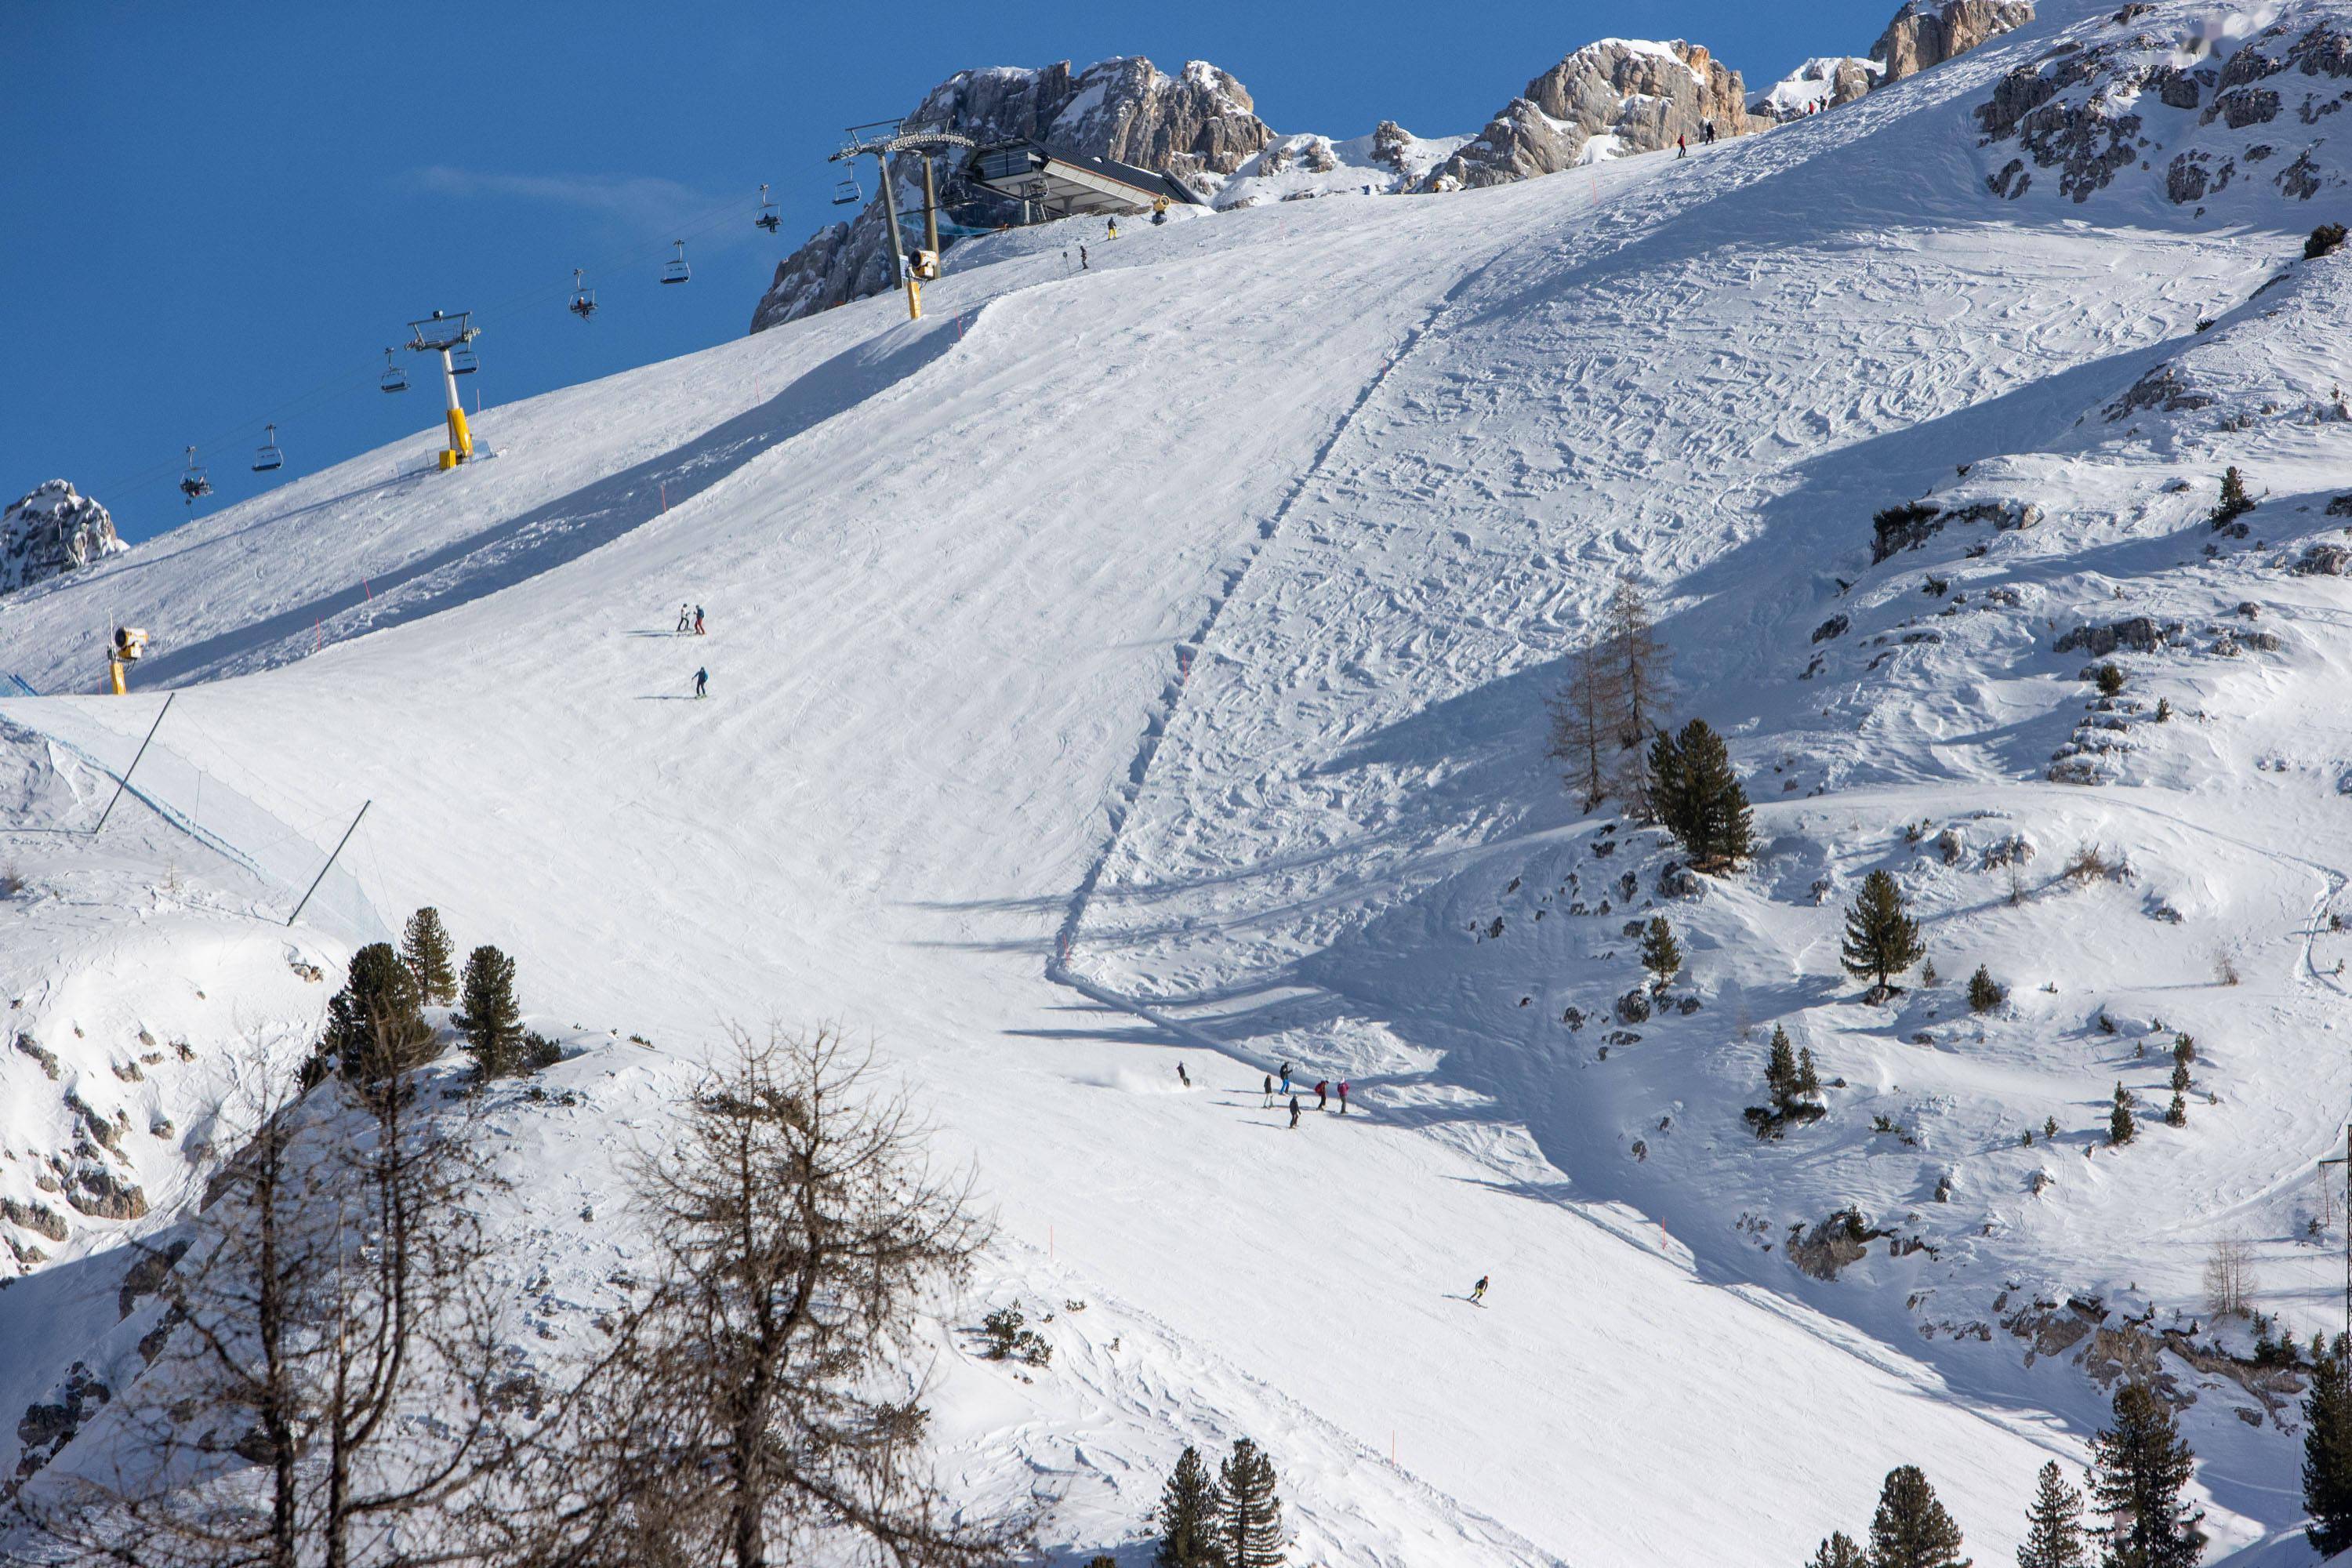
(130, 643)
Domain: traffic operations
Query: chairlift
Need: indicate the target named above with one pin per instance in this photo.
(766, 218)
(394, 378)
(462, 362)
(583, 299)
(269, 457)
(193, 483)
(848, 193)
(676, 271)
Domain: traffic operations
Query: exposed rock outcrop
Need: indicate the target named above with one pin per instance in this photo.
(1199, 125)
(2092, 109)
(1609, 98)
(52, 530)
(1923, 35)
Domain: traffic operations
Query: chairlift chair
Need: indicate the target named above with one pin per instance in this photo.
(768, 219)
(394, 378)
(847, 194)
(583, 299)
(193, 483)
(463, 363)
(269, 457)
(676, 271)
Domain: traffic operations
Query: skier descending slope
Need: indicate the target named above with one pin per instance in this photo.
(1322, 1094)
(701, 679)
(1269, 1092)
(1343, 1096)
(1183, 1077)
(698, 620)
(1293, 1113)
(683, 620)
(1478, 1292)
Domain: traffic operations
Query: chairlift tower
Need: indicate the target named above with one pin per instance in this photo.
(879, 140)
(440, 333)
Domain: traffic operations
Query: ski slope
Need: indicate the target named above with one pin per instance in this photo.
(1146, 664)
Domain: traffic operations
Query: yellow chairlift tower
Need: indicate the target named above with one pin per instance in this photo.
(448, 336)
(880, 140)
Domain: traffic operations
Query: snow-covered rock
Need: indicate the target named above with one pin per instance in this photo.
(2186, 100)
(1390, 160)
(1612, 97)
(1823, 83)
(1199, 125)
(54, 528)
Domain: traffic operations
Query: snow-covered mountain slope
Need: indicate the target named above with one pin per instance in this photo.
(1147, 664)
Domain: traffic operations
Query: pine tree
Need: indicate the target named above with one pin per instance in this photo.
(491, 1021)
(2121, 1128)
(1839, 1552)
(1809, 1082)
(1882, 939)
(1188, 1516)
(1661, 954)
(2180, 1076)
(1665, 787)
(1724, 827)
(1584, 726)
(1780, 1072)
(1985, 992)
(2327, 1450)
(1911, 1528)
(424, 948)
(2138, 1467)
(1697, 797)
(376, 1025)
(2053, 1525)
(2176, 1113)
(1249, 1516)
(2236, 501)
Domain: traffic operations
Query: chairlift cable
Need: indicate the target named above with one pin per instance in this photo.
(325, 391)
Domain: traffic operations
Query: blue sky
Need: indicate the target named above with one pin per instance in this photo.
(219, 215)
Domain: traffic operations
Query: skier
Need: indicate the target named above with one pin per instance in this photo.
(701, 679)
(1082, 258)
(1682, 148)
(1293, 1113)
(1269, 1092)
(1343, 1096)
(1322, 1099)
(1707, 130)
(1114, 228)
(1286, 1078)
(1478, 1292)
(698, 620)
(1183, 1077)
(682, 621)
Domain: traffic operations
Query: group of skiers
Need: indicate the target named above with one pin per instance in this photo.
(1705, 135)
(689, 623)
(1323, 1088)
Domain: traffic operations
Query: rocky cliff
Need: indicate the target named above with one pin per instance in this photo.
(53, 530)
(1924, 34)
(1609, 98)
(1199, 125)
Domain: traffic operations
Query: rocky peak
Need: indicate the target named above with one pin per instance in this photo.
(52, 530)
(1609, 98)
(1923, 33)
(1199, 124)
